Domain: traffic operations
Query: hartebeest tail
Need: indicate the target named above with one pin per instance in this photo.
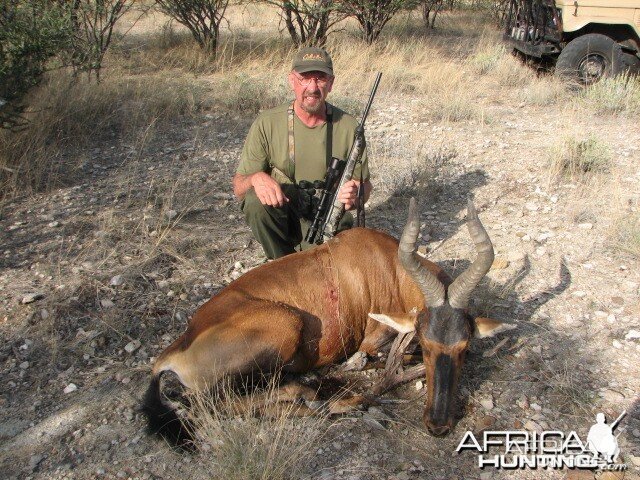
(163, 419)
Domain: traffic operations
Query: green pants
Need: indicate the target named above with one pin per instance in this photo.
(280, 230)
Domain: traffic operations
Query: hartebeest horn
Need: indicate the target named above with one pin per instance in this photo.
(431, 287)
(460, 290)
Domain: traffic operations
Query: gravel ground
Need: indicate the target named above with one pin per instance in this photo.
(98, 276)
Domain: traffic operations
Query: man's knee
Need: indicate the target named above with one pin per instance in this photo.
(253, 207)
(265, 217)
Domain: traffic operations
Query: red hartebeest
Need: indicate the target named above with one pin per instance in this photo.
(314, 308)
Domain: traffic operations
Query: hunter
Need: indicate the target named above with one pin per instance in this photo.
(292, 143)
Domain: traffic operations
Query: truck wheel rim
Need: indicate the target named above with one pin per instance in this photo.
(592, 68)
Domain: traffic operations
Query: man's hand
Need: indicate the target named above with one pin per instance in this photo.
(348, 194)
(268, 191)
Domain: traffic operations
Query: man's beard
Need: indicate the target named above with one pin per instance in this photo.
(313, 109)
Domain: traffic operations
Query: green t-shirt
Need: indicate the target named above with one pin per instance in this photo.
(267, 146)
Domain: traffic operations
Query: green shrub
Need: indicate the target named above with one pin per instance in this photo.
(31, 32)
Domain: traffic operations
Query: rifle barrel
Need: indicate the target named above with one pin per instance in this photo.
(615, 424)
(371, 95)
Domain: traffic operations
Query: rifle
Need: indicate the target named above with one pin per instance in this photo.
(617, 420)
(331, 210)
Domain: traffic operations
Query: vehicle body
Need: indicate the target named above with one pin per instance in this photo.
(586, 39)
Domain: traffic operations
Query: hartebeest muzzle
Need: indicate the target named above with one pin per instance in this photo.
(443, 327)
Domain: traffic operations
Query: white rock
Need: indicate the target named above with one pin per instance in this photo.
(106, 303)
(132, 346)
(579, 294)
(32, 297)
(487, 403)
(585, 226)
(72, 387)
(617, 344)
(171, 214)
(24, 365)
(419, 385)
(117, 280)
(533, 426)
(34, 461)
(632, 335)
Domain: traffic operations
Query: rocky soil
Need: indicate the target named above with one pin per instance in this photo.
(99, 275)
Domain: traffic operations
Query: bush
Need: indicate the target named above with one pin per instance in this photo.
(373, 15)
(31, 32)
(201, 17)
(308, 22)
(93, 24)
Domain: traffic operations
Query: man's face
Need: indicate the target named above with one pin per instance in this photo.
(311, 89)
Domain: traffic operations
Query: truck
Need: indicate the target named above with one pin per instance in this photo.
(586, 40)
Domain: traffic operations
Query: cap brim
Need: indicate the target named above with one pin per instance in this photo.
(313, 68)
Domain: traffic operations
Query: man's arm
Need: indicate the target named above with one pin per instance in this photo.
(349, 193)
(268, 191)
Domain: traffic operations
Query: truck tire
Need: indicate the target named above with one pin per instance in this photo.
(589, 58)
(631, 62)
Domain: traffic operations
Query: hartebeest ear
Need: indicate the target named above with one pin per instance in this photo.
(401, 322)
(487, 327)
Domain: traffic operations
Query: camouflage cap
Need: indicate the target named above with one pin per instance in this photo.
(312, 59)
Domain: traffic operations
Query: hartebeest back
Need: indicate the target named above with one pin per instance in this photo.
(314, 308)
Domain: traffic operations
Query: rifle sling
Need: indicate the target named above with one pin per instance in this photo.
(292, 143)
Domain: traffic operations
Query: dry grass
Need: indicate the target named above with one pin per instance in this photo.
(619, 95)
(239, 442)
(68, 116)
(626, 234)
(566, 386)
(546, 91)
(579, 160)
(156, 72)
(149, 78)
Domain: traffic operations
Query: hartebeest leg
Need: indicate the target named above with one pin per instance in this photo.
(247, 345)
(255, 343)
(394, 373)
